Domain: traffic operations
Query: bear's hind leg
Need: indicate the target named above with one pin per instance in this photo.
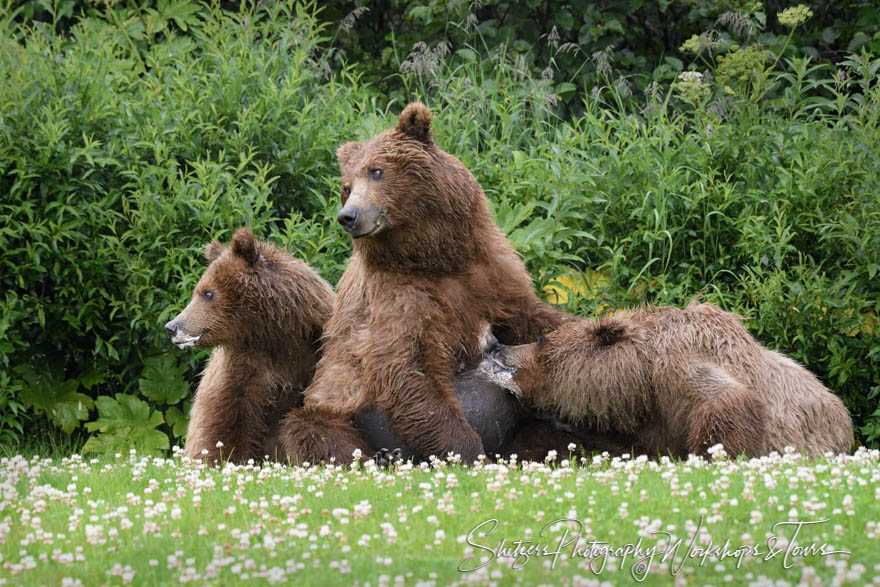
(725, 412)
(314, 435)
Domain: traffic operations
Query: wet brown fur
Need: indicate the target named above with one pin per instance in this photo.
(681, 381)
(265, 320)
(412, 301)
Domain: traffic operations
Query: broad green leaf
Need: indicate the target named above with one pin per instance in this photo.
(178, 421)
(162, 379)
(564, 20)
(126, 422)
(466, 54)
(57, 400)
(92, 377)
(419, 12)
(675, 63)
(565, 90)
(830, 34)
(614, 25)
(182, 12)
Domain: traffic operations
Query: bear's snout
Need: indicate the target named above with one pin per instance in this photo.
(348, 218)
(362, 220)
(180, 336)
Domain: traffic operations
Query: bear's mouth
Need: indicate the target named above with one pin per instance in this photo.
(496, 370)
(378, 225)
(376, 228)
(185, 341)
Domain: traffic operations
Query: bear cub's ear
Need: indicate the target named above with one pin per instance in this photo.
(243, 245)
(611, 331)
(345, 153)
(415, 122)
(213, 250)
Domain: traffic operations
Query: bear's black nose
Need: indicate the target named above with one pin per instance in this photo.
(348, 217)
(171, 328)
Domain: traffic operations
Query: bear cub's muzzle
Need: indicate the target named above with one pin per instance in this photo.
(496, 366)
(179, 337)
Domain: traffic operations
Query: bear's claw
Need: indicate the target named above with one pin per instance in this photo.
(385, 458)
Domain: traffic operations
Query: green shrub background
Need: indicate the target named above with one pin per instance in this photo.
(130, 137)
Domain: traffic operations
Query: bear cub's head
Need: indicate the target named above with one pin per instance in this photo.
(527, 369)
(216, 314)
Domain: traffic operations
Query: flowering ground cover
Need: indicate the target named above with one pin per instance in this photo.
(568, 520)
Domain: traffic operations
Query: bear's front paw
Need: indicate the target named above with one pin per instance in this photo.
(385, 458)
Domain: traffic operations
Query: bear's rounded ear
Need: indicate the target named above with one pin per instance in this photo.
(611, 331)
(243, 245)
(213, 250)
(345, 153)
(415, 122)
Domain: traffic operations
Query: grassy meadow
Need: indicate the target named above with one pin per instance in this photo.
(130, 519)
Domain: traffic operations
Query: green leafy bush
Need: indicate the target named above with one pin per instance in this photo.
(581, 45)
(135, 137)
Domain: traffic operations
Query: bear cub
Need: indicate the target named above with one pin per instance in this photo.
(680, 380)
(263, 312)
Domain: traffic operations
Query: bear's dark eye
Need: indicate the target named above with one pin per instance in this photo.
(209, 295)
(542, 340)
(346, 191)
(374, 173)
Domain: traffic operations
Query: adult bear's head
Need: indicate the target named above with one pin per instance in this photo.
(406, 203)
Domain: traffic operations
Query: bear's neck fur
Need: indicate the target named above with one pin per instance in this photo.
(283, 324)
(405, 253)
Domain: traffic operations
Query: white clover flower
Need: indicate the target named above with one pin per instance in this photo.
(717, 452)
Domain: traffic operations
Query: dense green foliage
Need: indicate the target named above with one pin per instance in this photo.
(130, 137)
(576, 44)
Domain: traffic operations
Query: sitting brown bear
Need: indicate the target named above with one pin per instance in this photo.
(263, 311)
(425, 273)
(679, 380)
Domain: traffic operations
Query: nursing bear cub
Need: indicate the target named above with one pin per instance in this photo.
(680, 381)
